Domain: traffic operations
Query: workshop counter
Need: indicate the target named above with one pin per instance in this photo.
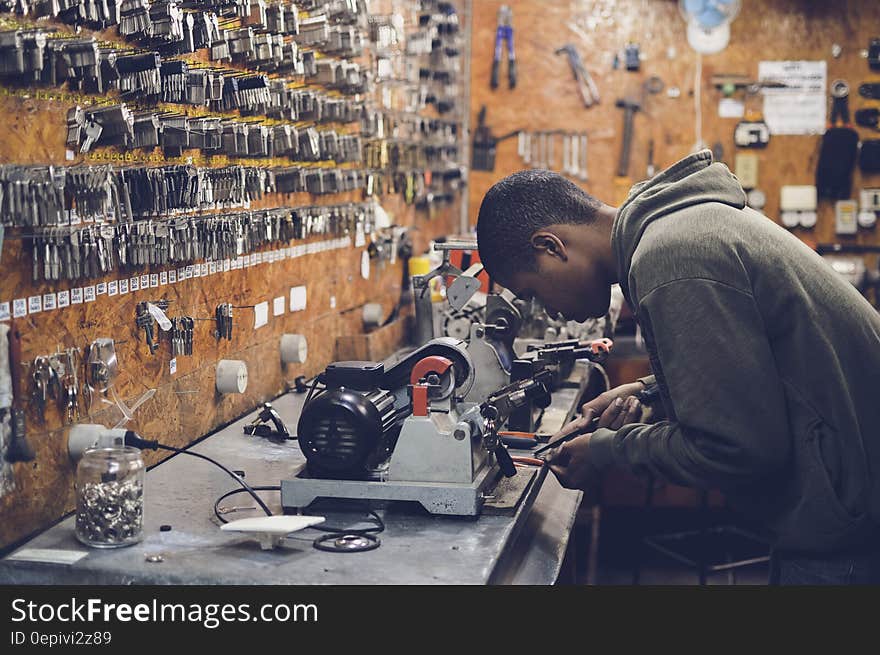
(527, 546)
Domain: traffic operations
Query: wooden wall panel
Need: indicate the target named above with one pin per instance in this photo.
(546, 96)
(185, 406)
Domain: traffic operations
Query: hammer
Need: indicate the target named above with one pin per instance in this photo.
(18, 448)
(630, 107)
(622, 182)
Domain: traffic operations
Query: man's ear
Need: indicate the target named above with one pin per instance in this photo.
(550, 244)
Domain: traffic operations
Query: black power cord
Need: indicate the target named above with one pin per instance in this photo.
(368, 540)
(133, 439)
(318, 379)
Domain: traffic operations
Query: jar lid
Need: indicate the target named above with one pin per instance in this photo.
(114, 452)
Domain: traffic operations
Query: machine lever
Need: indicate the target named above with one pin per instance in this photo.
(508, 468)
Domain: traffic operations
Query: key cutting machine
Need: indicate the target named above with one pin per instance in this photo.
(406, 433)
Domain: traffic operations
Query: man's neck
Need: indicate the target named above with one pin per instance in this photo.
(608, 259)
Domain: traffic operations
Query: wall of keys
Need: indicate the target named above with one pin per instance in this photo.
(184, 181)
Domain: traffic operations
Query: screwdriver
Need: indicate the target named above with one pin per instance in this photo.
(590, 427)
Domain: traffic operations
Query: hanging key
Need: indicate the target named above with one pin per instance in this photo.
(188, 328)
(42, 375)
(93, 131)
(144, 320)
(70, 385)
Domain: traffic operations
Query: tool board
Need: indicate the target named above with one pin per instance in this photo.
(546, 96)
(186, 405)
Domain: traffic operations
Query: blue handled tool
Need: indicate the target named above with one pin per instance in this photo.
(504, 34)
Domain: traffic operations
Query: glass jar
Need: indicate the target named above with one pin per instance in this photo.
(110, 497)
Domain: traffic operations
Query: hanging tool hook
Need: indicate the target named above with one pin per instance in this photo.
(586, 85)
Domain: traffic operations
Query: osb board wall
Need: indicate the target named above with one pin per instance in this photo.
(185, 406)
(546, 96)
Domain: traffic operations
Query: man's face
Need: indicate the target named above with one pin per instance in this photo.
(575, 287)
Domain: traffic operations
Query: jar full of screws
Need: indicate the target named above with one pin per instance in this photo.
(110, 497)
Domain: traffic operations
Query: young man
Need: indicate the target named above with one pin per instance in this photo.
(768, 362)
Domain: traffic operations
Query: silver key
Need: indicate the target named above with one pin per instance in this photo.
(93, 133)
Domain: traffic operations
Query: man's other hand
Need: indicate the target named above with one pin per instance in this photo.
(572, 465)
(617, 406)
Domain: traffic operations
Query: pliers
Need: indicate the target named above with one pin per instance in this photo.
(503, 34)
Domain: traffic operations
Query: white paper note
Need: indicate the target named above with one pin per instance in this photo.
(261, 314)
(801, 106)
(297, 299)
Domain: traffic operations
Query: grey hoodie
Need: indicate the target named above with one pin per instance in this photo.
(768, 362)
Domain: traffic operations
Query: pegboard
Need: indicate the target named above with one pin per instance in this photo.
(546, 96)
(185, 406)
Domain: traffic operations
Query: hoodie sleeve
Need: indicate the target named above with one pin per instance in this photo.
(717, 367)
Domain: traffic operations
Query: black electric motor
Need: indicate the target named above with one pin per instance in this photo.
(349, 429)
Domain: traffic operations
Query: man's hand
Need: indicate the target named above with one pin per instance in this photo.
(571, 464)
(620, 412)
(601, 402)
(571, 461)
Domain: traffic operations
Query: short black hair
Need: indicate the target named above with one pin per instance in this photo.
(519, 205)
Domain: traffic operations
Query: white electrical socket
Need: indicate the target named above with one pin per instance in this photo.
(790, 219)
(867, 218)
(808, 219)
(83, 436)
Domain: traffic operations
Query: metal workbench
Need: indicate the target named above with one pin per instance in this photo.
(525, 547)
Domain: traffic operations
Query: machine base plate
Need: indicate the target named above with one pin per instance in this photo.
(455, 499)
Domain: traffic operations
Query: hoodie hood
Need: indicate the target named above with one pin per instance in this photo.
(693, 180)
